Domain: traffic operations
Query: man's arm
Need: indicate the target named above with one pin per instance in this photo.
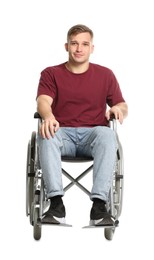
(49, 124)
(120, 111)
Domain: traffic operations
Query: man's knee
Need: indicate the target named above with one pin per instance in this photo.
(105, 133)
(105, 137)
(52, 141)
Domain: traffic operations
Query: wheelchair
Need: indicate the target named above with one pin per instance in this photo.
(37, 202)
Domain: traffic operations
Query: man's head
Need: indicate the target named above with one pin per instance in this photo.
(79, 44)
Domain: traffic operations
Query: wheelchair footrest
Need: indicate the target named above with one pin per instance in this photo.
(99, 226)
(102, 225)
(57, 224)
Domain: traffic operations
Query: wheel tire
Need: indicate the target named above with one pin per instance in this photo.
(37, 225)
(27, 180)
(108, 233)
(30, 169)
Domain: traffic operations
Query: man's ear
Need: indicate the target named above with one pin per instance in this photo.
(92, 49)
(66, 46)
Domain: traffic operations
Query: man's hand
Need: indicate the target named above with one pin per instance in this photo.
(49, 127)
(116, 111)
(120, 111)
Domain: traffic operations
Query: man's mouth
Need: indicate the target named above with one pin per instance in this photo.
(78, 55)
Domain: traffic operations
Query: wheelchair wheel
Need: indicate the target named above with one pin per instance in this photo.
(108, 233)
(30, 173)
(119, 183)
(37, 224)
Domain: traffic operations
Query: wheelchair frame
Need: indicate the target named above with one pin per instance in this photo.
(36, 201)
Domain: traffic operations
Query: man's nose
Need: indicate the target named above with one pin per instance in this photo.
(79, 47)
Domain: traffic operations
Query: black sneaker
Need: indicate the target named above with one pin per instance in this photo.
(98, 209)
(99, 214)
(56, 212)
(57, 207)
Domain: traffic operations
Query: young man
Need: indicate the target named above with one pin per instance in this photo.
(72, 100)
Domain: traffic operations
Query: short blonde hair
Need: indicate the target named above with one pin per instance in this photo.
(79, 28)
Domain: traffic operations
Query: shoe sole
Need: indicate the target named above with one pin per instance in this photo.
(95, 222)
(60, 220)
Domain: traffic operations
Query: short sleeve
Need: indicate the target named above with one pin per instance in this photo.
(114, 95)
(47, 83)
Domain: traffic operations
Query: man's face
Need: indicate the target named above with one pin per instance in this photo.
(79, 47)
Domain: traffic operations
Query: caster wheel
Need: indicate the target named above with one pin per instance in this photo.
(37, 225)
(108, 233)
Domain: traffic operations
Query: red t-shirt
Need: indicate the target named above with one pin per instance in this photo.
(80, 100)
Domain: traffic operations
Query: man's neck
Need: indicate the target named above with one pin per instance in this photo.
(77, 68)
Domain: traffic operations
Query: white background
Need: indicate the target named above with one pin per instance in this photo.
(33, 34)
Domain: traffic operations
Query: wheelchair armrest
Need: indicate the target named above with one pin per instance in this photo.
(112, 120)
(112, 117)
(37, 115)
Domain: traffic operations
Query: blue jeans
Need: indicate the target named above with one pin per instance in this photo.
(99, 142)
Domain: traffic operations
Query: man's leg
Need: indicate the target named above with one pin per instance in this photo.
(100, 143)
(50, 152)
(104, 148)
